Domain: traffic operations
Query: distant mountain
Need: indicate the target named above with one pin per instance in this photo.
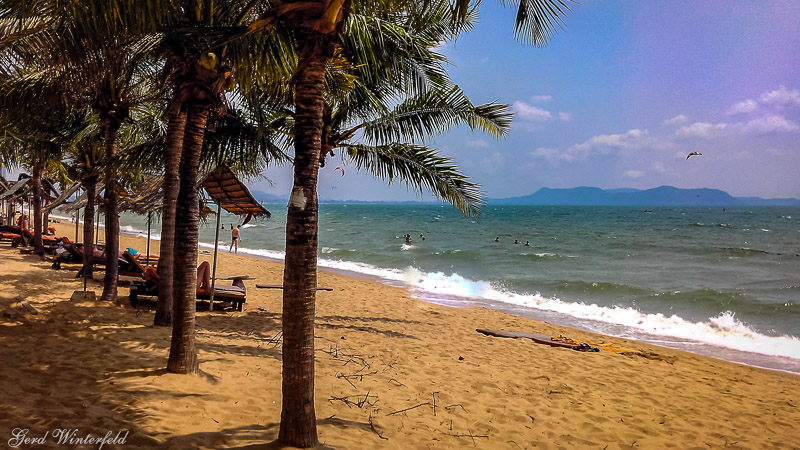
(272, 199)
(660, 196)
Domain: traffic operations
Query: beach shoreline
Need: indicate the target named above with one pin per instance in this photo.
(770, 362)
(99, 367)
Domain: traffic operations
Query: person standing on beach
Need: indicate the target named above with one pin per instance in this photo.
(234, 238)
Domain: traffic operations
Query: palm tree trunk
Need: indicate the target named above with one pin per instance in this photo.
(36, 180)
(298, 418)
(89, 186)
(172, 158)
(111, 278)
(182, 351)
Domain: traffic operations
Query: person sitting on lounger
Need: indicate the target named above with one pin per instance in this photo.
(204, 277)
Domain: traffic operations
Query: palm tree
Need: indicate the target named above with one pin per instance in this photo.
(31, 140)
(89, 63)
(317, 31)
(316, 27)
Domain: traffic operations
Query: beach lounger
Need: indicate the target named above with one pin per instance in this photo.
(9, 232)
(235, 294)
(73, 252)
(26, 238)
(131, 267)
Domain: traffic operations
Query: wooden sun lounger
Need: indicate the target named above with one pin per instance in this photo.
(133, 268)
(236, 293)
(9, 232)
(27, 235)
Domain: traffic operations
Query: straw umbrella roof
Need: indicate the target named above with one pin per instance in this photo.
(147, 197)
(232, 195)
(61, 199)
(83, 199)
(15, 191)
(15, 188)
(221, 184)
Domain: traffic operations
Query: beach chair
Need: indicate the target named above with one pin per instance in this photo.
(73, 253)
(236, 293)
(9, 232)
(132, 267)
(26, 238)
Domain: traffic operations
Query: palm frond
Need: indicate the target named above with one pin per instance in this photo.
(435, 112)
(419, 168)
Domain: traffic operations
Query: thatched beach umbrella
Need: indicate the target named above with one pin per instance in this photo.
(230, 194)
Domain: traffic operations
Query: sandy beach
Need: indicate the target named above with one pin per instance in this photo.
(391, 372)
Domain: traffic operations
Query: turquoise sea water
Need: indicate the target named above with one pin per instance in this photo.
(718, 281)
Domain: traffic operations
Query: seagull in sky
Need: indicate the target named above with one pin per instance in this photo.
(693, 154)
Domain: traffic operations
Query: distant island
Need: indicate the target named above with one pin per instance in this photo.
(592, 196)
(660, 196)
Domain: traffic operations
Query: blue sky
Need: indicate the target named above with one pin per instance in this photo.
(619, 97)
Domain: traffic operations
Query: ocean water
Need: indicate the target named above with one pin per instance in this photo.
(724, 282)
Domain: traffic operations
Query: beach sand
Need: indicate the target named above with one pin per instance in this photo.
(391, 372)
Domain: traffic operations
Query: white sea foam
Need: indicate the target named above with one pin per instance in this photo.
(127, 229)
(724, 330)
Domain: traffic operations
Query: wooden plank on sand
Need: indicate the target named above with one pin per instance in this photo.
(280, 286)
(535, 337)
(26, 305)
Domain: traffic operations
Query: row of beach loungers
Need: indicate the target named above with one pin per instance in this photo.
(131, 264)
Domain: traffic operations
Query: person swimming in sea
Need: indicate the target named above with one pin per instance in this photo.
(408, 238)
(497, 239)
(527, 243)
(516, 241)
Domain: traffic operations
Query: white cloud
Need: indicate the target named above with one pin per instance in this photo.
(531, 113)
(781, 96)
(743, 107)
(769, 124)
(603, 144)
(494, 160)
(703, 130)
(759, 126)
(631, 140)
(553, 155)
(634, 174)
(477, 143)
(533, 117)
(541, 98)
(677, 120)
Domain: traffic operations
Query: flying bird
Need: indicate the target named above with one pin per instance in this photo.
(693, 154)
